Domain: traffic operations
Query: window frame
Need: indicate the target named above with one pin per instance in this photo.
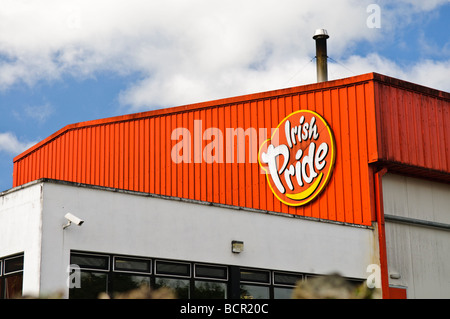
(255, 282)
(4, 275)
(92, 254)
(157, 274)
(233, 273)
(14, 271)
(131, 271)
(203, 278)
(275, 272)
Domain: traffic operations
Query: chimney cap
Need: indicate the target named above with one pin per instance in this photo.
(321, 34)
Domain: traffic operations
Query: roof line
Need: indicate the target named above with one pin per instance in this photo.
(242, 99)
(201, 105)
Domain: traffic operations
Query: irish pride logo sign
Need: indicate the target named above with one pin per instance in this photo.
(299, 157)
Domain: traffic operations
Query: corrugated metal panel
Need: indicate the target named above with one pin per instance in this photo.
(133, 152)
(413, 127)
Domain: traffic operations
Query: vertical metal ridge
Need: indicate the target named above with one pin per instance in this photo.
(370, 121)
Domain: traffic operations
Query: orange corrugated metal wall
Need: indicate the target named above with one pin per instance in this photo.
(414, 128)
(135, 154)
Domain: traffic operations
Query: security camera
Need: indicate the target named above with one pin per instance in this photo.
(72, 219)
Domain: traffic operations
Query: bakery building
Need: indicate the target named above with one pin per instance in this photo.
(239, 197)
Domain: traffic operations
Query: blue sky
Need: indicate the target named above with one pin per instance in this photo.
(63, 62)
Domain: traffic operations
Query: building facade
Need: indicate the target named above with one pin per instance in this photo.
(346, 176)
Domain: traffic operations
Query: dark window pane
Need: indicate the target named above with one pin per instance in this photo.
(92, 284)
(210, 290)
(286, 279)
(90, 261)
(204, 271)
(170, 268)
(130, 264)
(13, 286)
(13, 264)
(125, 282)
(179, 286)
(255, 276)
(254, 292)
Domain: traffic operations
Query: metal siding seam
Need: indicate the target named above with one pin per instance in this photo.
(179, 167)
(110, 178)
(222, 177)
(446, 136)
(355, 155)
(19, 174)
(261, 177)
(117, 157)
(268, 124)
(394, 142)
(55, 158)
(71, 156)
(131, 155)
(88, 155)
(203, 167)
(434, 132)
(234, 170)
(197, 148)
(106, 155)
(371, 123)
(317, 209)
(338, 172)
(331, 201)
(150, 152)
(209, 185)
(94, 155)
(440, 135)
(308, 104)
(99, 165)
(139, 173)
(191, 166)
(169, 164)
(67, 147)
(248, 155)
(165, 161)
(289, 108)
(161, 156)
(254, 165)
(363, 151)
(425, 130)
(83, 147)
(346, 156)
(410, 129)
(281, 111)
(275, 120)
(217, 152)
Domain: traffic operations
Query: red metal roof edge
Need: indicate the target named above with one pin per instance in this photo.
(242, 98)
(411, 86)
(413, 171)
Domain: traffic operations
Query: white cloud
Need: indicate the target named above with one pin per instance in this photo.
(429, 73)
(11, 145)
(189, 51)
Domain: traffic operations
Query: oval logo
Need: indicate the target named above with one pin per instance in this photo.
(299, 157)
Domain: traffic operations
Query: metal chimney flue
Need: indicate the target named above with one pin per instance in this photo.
(321, 36)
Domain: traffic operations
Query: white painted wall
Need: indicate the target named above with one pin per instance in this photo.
(20, 231)
(421, 255)
(131, 224)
